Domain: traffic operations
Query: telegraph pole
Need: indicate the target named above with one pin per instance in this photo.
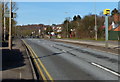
(4, 22)
(10, 26)
(67, 27)
(1, 56)
(95, 28)
(95, 23)
(0, 23)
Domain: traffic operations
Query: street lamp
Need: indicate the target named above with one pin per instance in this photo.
(4, 21)
(0, 23)
(67, 24)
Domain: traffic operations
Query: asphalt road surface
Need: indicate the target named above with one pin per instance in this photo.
(70, 62)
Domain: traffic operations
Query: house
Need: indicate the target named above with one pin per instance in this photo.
(114, 28)
(117, 29)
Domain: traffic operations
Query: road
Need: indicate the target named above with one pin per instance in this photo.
(71, 62)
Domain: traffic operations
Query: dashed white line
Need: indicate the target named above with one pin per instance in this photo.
(115, 73)
(63, 50)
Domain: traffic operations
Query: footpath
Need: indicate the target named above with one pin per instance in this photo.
(15, 64)
(113, 46)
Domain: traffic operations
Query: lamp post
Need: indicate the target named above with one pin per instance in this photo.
(67, 29)
(4, 22)
(0, 24)
(67, 25)
(10, 26)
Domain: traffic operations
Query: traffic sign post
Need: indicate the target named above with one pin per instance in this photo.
(106, 31)
(106, 12)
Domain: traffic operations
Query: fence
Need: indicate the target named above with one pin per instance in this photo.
(114, 35)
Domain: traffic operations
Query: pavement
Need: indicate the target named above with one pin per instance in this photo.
(111, 44)
(72, 62)
(15, 64)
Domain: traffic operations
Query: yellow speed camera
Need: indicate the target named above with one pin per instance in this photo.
(106, 12)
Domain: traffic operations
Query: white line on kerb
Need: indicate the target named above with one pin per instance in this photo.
(117, 74)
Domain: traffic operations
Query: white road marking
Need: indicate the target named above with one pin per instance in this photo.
(117, 74)
(63, 50)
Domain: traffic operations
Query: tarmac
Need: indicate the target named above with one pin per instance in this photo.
(113, 46)
(16, 65)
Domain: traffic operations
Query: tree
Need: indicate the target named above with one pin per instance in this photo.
(74, 18)
(115, 11)
(86, 27)
(78, 17)
(49, 30)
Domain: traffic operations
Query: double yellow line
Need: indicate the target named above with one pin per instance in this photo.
(39, 64)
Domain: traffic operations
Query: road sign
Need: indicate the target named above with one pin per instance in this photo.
(106, 12)
(7, 14)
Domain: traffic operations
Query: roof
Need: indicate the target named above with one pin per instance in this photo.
(117, 29)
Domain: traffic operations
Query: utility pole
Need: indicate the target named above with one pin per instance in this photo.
(4, 22)
(49, 30)
(1, 39)
(95, 23)
(68, 20)
(67, 29)
(0, 23)
(10, 26)
(67, 26)
(95, 28)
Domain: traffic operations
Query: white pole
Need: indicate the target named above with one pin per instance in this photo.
(10, 27)
(106, 31)
(4, 22)
(0, 23)
(95, 23)
(67, 26)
